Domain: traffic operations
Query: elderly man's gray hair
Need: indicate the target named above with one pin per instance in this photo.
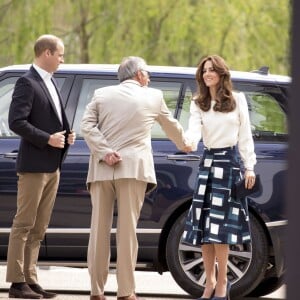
(129, 66)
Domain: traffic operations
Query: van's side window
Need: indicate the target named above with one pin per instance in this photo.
(171, 91)
(6, 90)
(265, 114)
(268, 120)
(185, 111)
(88, 88)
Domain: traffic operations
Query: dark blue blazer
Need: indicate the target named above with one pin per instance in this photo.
(33, 116)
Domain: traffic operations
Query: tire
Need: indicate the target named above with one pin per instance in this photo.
(246, 267)
(267, 286)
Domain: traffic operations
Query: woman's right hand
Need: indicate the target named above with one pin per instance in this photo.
(249, 179)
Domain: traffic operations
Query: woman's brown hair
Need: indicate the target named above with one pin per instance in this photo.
(224, 98)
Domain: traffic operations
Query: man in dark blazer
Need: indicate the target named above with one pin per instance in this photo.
(37, 115)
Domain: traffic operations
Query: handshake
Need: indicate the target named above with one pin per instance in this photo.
(189, 146)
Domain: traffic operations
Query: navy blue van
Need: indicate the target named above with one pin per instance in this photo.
(256, 269)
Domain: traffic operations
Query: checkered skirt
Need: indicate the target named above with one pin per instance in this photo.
(215, 217)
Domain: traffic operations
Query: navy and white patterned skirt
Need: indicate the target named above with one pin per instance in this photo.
(214, 216)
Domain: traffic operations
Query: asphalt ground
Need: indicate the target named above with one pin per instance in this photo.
(73, 283)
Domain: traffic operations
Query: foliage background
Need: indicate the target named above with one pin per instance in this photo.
(248, 34)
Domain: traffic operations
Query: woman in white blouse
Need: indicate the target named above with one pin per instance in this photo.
(216, 219)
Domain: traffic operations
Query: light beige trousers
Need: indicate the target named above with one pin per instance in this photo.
(35, 200)
(129, 194)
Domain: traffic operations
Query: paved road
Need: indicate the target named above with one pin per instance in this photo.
(73, 283)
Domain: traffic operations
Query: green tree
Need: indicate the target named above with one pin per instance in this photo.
(248, 34)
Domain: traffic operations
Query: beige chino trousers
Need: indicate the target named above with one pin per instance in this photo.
(35, 200)
(130, 195)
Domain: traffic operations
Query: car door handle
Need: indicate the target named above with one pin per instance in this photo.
(185, 157)
(12, 155)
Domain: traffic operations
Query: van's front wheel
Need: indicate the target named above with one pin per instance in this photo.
(246, 266)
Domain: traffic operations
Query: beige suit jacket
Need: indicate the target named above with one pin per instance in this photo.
(119, 118)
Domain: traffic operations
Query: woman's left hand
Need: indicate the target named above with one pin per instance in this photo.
(249, 179)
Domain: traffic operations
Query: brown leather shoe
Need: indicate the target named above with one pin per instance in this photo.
(131, 297)
(98, 297)
(39, 290)
(22, 290)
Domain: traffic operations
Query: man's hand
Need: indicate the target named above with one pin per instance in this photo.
(57, 139)
(71, 137)
(112, 158)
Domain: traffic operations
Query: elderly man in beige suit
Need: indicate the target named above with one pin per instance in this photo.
(117, 128)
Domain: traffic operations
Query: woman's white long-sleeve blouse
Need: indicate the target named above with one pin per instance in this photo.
(219, 130)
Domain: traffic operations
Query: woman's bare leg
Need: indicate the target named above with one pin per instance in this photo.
(209, 260)
(221, 252)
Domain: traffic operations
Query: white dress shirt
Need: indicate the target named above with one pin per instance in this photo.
(219, 130)
(51, 88)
